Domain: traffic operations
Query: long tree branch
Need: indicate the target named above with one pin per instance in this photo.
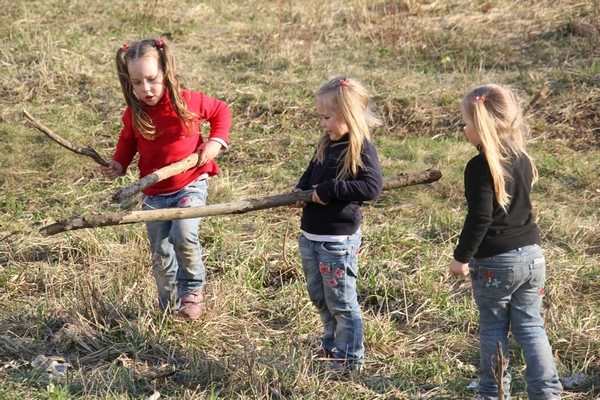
(236, 207)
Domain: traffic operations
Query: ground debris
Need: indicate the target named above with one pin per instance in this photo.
(53, 366)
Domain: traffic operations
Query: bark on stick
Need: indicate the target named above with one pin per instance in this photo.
(235, 207)
(121, 194)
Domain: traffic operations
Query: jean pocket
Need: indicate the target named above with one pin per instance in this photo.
(538, 271)
(335, 248)
(191, 197)
(492, 282)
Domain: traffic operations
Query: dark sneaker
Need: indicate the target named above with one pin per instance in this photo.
(345, 366)
(323, 353)
(190, 305)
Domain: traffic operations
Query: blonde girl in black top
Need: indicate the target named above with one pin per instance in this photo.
(499, 245)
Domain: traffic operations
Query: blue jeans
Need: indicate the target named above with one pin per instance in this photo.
(508, 290)
(175, 247)
(331, 269)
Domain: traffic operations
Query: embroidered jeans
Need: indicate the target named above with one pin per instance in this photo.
(331, 269)
(176, 254)
(508, 290)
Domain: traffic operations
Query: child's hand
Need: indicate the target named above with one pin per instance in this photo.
(458, 269)
(113, 170)
(298, 204)
(208, 151)
(315, 197)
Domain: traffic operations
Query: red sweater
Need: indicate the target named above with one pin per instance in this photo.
(173, 143)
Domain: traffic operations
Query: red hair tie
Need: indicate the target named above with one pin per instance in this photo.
(160, 43)
(125, 47)
(480, 98)
(343, 83)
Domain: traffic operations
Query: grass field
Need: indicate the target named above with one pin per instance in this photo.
(88, 298)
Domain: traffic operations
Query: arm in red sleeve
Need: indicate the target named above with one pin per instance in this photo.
(127, 143)
(218, 115)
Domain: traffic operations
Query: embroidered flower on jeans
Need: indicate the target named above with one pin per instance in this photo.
(332, 282)
(324, 268)
(184, 201)
(496, 283)
(338, 273)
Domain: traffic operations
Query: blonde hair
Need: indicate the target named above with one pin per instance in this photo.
(348, 98)
(160, 51)
(498, 119)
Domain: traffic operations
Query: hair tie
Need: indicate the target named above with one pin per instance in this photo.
(343, 83)
(125, 47)
(480, 98)
(160, 43)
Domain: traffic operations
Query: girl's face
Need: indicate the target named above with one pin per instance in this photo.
(331, 121)
(147, 79)
(470, 131)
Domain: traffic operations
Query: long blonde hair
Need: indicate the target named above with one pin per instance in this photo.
(498, 119)
(348, 98)
(159, 50)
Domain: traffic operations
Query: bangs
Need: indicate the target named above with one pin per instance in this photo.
(328, 101)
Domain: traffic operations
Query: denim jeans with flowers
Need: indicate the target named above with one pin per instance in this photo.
(508, 290)
(175, 248)
(331, 269)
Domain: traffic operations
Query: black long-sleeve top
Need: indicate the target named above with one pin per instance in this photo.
(341, 215)
(488, 230)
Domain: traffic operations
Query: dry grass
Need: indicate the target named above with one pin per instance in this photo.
(89, 297)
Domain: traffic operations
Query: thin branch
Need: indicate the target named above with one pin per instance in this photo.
(538, 96)
(84, 151)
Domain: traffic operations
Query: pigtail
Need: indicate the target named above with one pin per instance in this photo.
(492, 147)
(174, 86)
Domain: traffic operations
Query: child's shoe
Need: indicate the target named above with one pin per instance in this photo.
(345, 366)
(190, 305)
(323, 353)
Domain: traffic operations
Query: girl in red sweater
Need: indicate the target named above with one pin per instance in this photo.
(162, 124)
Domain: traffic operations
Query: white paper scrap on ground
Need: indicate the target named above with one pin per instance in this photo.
(54, 366)
(153, 396)
(473, 385)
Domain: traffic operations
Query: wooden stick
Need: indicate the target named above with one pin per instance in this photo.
(87, 151)
(538, 96)
(498, 369)
(236, 207)
(163, 173)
